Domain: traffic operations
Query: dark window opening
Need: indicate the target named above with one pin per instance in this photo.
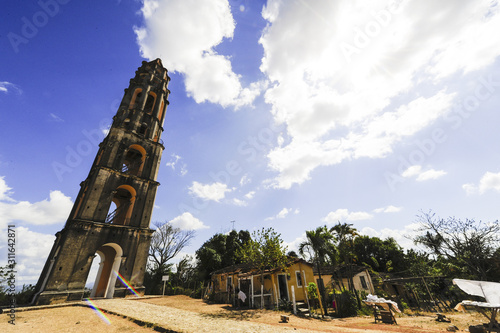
(363, 282)
(143, 129)
(133, 162)
(150, 103)
(299, 279)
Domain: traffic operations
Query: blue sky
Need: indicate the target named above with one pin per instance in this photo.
(282, 114)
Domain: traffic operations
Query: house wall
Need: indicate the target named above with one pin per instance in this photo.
(271, 283)
(328, 282)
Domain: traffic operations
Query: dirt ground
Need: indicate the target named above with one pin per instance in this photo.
(425, 322)
(81, 319)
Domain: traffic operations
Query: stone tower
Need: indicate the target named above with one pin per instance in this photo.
(112, 212)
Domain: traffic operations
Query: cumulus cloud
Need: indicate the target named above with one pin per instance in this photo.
(415, 171)
(341, 215)
(489, 181)
(402, 236)
(282, 214)
(250, 195)
(187, 221)
(388, 209)
(214, 192)
(364, 72)
(33, 250)
(53, 210)
(184, 33)
(239, 202)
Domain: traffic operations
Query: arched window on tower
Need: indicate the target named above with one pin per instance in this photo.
(134, 160)
(160, 112)
(135, 98)
(123, 198)
(150, 103)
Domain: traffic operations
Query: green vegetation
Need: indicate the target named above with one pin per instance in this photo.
(454, 248)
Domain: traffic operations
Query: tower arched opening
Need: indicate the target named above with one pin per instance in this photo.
(110, 255)
(133, 161)
(123, 198)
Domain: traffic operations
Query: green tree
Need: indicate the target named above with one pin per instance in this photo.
(344, 235)
(264, 251)
(464, 244)
(316, 248)
(381, 255)
(220, 251)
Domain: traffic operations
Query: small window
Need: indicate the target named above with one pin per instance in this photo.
(363, 282)
(298, 276)
(229, 283)
(142, 129)
(150, 103)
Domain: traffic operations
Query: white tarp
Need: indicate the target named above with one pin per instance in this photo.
(489, 290)
(373, 299)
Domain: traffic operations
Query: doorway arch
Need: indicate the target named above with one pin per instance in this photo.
(105, 280)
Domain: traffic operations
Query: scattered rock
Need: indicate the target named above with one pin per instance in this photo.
(452, 328)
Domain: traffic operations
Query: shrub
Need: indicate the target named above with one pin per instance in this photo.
(347, 305)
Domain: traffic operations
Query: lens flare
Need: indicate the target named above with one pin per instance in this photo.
(97, 310)
(127, 284)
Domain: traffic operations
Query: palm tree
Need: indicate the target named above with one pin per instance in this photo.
(317, 247)
(344, 235)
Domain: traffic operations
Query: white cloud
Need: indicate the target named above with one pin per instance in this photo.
(184, 33)
(420, 175)
(32, 250)
(250, 195)
(214, 192)
(239, 202)
(53, 210)
(245, 180)
(55, 118)
(430, 174)
(294, 245)
(5, 190)
(174, 161)
(7, 87)
(283, 213)
(388, 209)
(349, 105)
(341, 215)
(187, 221)
(402, 236)
(489, 181)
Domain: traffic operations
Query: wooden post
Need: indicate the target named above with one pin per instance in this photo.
(274, 293)
(262, 295)
(251, 292)
(320, 301)
(304, 286)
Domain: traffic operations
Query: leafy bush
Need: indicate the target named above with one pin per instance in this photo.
(347, 305)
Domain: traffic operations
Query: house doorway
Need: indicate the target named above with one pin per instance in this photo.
(283, 286)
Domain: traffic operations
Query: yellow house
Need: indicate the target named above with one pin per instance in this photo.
(277, 284)
(337, 277)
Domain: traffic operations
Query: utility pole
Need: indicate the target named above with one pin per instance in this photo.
(233, 223)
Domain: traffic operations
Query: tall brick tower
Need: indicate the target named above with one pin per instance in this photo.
(112, 212)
